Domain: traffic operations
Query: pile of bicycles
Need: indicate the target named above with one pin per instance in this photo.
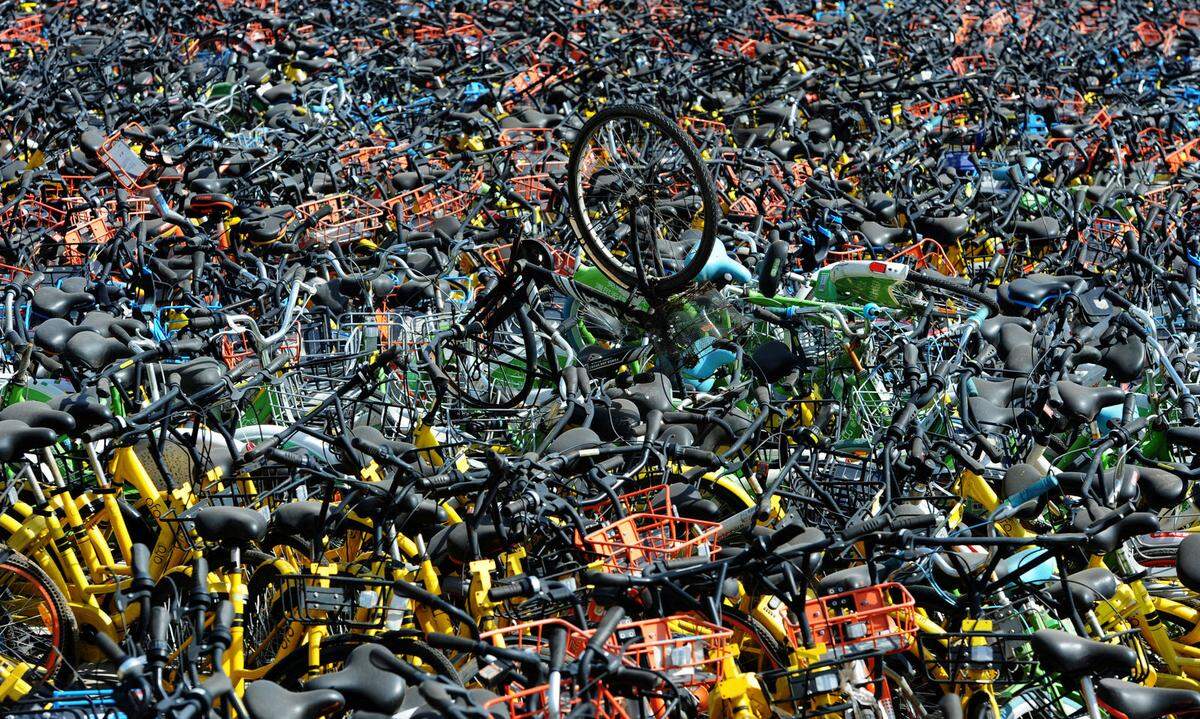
(606, 359)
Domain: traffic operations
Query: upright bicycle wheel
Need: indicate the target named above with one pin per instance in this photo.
(642, 202)
(37, 628)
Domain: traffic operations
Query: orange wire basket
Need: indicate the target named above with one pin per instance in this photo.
(630, 543)
(687, 649)
(871, 621)
(534, 703)
(1103, 242)
(497, 257)
(535, 637)
(119, 159)
(350, 219)
(26, 30)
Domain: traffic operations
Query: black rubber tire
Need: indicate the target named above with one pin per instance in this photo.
(454, 349)
(290, 670)
(596, 250)
(957, 288)
(61, 669)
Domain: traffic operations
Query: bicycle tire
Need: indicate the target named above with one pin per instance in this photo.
(460, 359)
(581, 223)
(53, 609)
(946, 284)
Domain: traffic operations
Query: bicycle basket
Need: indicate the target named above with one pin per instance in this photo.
(871, 621)
(630, 543)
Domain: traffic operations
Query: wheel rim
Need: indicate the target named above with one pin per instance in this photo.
(31, 631)
(626, 165)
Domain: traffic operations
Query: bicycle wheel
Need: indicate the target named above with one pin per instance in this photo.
(38, 628)
(642, 202)
(492, 369)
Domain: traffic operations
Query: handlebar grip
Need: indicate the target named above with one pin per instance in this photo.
(605, 628)
(184, 346)
(915, 521)
(1116, 298)
(293, 459)
(512, 590)
(1033, 491)
(206, 323)
(867, 526)
(279, 362)
(160, 625)
(104, 431)
(698, 457)
(902, 420)
(200, 580)
(225, 615)
(641, 678)
(452, 642)
(109, 648)
(617, 581)
(139, 566)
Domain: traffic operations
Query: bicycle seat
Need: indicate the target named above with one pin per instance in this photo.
(1187, 562)
(1113, 535)
(1035, 290)
(211, 185)
(39, 414)
(1039, 228)
(53, 334)
(283, 92)
(197, 374)
(233, 526)
(1016, 348)
(880, 236)
(992, 326)
(1071, 483)
(1125, 362)
(1137, 701)
(721, 265)
(18, 438)
(293, 524)
(203, 204)
(988, 415)
(84, 408)
(1072, 655)
(1088, 588)
(94, 350)
(944, 230)
(999, 392)
(652, 391)
(50, 301)
(883, 205)
(1085, 402)
(368, 680)
(773, 360)
(786, 149)
(536, 118)
(844, 580)
(1159, 488)
(110, 326)
(267, 700)
(1065, 131)
(375, 437)
(1188, 437)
